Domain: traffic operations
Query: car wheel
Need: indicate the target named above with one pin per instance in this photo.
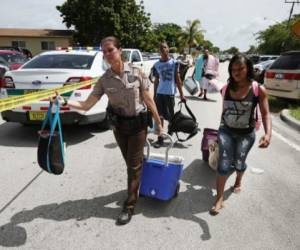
(103, 125)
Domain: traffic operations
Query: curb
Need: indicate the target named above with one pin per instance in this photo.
(286, 117)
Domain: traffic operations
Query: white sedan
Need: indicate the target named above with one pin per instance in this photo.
(51, 70)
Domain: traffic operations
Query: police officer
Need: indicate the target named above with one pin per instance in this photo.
(127, 89)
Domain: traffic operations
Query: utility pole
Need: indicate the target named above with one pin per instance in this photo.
(293, 2)
(292, 9)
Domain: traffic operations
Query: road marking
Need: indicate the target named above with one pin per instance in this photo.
(288, 142)
(21, 191)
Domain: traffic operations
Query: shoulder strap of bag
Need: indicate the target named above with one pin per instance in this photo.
(194, 119)
(60, 137)
(188, 110)
(255, 87)
(188, 137)
(56, 121)
(48, 117)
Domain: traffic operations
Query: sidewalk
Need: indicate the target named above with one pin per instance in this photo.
(291, 121)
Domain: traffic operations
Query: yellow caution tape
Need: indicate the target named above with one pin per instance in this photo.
(16, 101)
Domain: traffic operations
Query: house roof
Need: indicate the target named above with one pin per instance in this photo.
(35, 32)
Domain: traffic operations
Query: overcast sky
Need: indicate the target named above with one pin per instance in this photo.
(227, 22)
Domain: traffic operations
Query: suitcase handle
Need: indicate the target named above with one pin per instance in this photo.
(167, 150)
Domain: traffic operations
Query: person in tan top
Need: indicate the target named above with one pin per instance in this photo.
(127, 89)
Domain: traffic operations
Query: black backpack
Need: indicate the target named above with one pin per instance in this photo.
(183, 123)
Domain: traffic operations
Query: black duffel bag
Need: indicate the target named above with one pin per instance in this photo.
(50, 151)
(181, 122)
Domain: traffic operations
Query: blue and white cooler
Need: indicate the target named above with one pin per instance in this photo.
(161, 173)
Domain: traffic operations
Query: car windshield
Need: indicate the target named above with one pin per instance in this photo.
(291, 61)
(125, 55)
(14, 58)
(267, 63)
(61, 62)
(264, 58)
(254, 59)
(3, 61)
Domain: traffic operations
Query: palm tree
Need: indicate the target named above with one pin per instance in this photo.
(192, 34)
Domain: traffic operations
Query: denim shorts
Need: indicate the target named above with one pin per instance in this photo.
(233, 150)
(165, 106)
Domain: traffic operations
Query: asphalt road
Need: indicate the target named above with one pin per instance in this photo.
(77, 210)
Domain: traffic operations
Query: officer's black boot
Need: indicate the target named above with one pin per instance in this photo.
(124, 217)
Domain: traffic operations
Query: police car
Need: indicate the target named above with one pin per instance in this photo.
(54, 69)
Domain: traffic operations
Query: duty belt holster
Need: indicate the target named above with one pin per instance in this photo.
(111, 117)
(130, 124)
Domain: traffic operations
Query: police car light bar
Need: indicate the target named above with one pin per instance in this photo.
(80, 48)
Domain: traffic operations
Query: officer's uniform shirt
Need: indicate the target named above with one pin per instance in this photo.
(125, 91)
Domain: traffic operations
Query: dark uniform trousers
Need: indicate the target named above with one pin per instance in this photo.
(132, 148)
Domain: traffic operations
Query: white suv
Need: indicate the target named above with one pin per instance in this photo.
(51, 70)
(282, 79)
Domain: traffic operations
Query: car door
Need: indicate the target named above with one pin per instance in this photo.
(136, 59)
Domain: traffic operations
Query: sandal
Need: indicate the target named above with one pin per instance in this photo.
(213, 211)
(236, 189)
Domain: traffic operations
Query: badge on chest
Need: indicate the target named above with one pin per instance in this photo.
(132, 81)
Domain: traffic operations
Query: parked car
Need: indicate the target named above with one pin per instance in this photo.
(26, 52)
(135, 57)
(282, 79)
(224, 57)
(51, 70)
(3, 69)
(4, 66)
(13, 58)
(262, 58)
(260, 69)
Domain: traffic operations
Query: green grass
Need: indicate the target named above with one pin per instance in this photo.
(295, 112)
(278, 104)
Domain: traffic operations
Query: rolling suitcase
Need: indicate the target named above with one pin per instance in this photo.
(191, 85)
(209, 136)
(161, 174)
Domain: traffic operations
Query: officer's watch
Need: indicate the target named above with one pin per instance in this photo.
(65, 103)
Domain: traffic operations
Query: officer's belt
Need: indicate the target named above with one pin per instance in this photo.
(132, 121)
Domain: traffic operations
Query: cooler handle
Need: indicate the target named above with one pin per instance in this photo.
(167, 150)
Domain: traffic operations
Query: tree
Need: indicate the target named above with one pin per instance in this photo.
(192, 34)
(252, 50)
(215, 49)
(205, 44)
(277, 38)
(233, 50)
(168, 32)
(95, 19)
